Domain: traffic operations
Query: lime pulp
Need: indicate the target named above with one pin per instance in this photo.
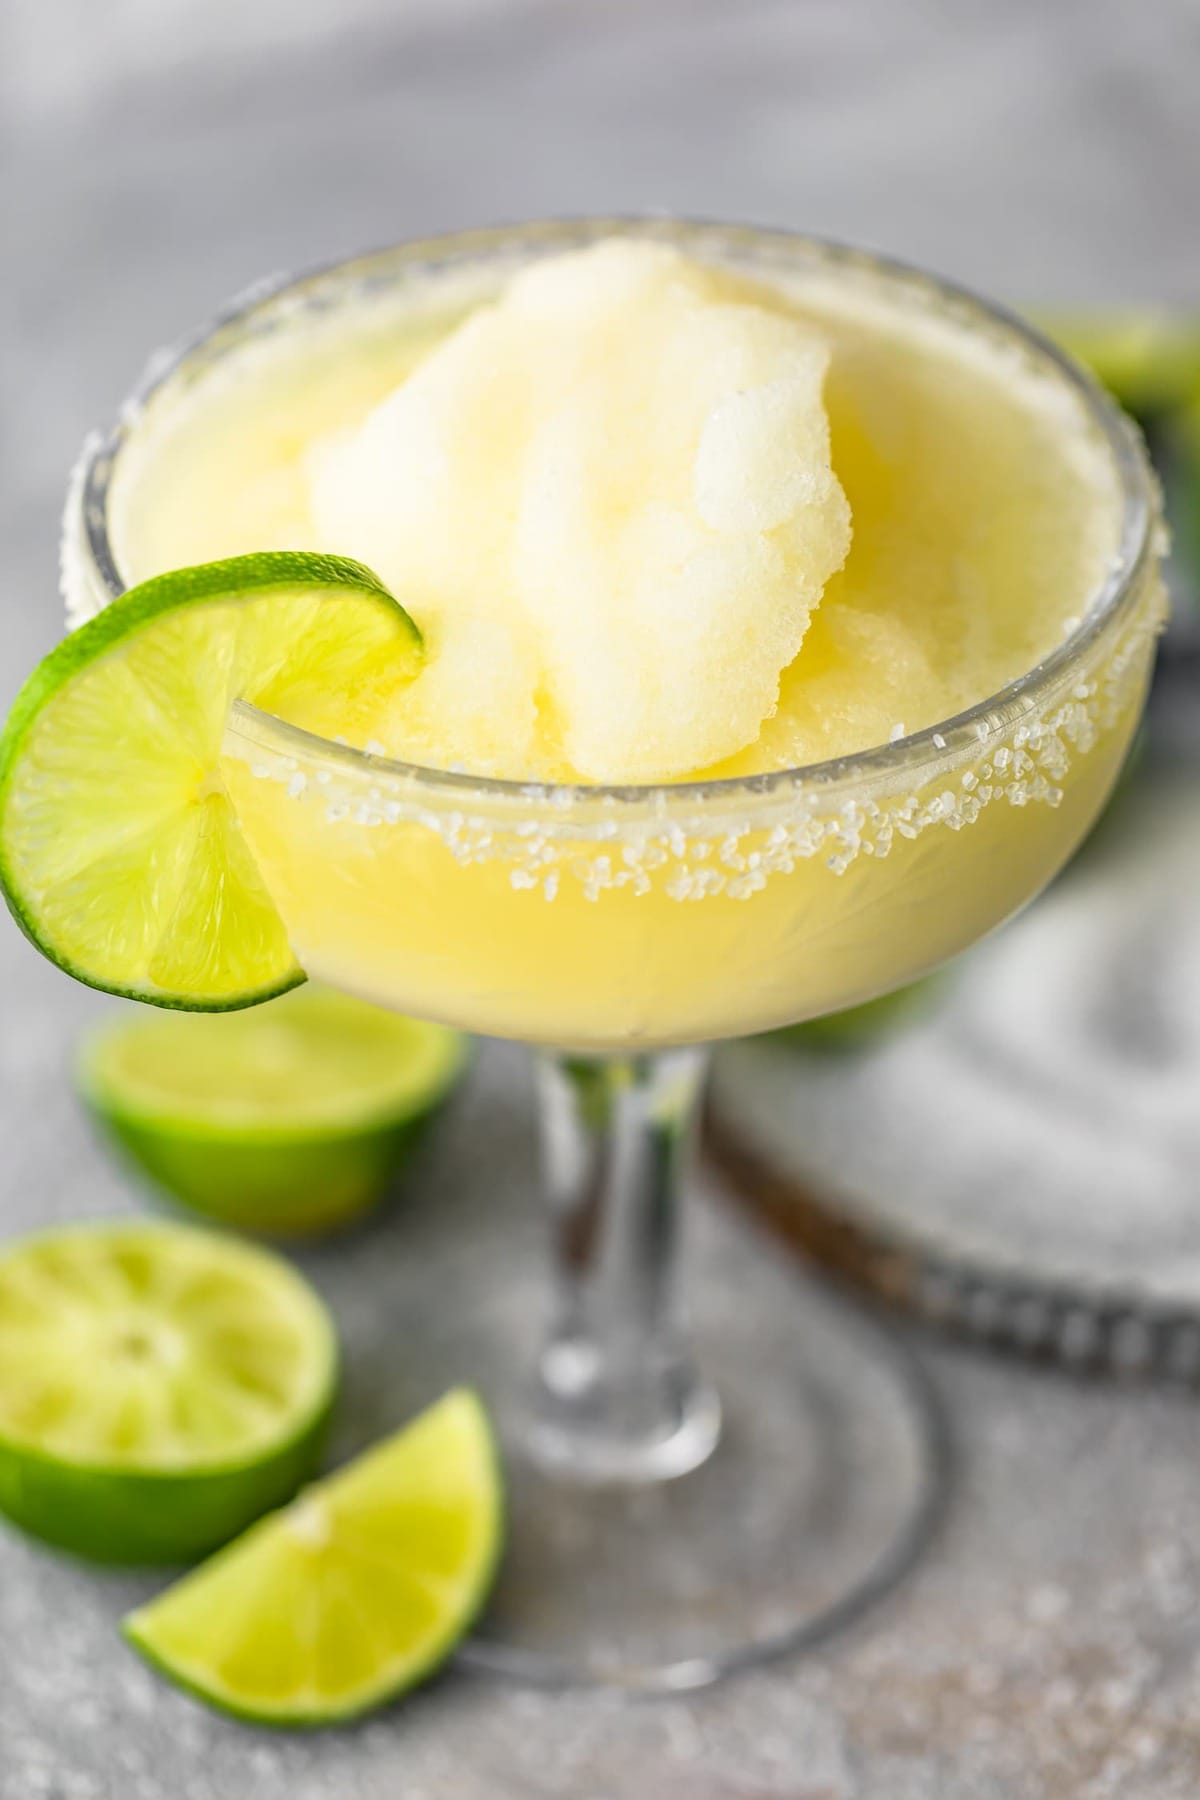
(160, 1388)
(354, 1593)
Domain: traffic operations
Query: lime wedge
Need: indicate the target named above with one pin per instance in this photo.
(160, 1388)
(120, 854)
(290, 1119)
(356, 1592)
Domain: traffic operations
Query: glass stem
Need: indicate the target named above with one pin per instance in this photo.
(617, 1396)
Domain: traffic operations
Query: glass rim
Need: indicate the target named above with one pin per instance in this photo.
(1116, 595)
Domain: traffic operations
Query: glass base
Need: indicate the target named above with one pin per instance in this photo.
(819, 1494)
(588, 1449)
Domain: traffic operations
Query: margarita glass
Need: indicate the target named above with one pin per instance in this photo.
(621, 928)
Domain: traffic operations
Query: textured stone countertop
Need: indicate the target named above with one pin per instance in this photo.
(156, 158)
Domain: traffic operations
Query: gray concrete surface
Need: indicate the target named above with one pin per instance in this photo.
(158, 157)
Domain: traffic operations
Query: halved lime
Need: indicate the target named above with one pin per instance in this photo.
(160, 1388)
(1147, 357)
(355, 1593)
(120, 854)
(857, 1026)
(1182, 483)
(290, 1119)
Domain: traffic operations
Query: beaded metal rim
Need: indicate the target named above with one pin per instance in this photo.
(1085, 1328)
(914, 756)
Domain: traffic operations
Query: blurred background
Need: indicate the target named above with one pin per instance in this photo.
(160, 155)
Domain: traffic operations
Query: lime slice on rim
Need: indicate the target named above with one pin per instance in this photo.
(356, 1592)
(290, 1119)
(160, 1388)
(120, 854)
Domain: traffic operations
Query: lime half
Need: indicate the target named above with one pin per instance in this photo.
(858, 1026)
(352, 1595)
(289, 1119)
(160, 1388)
(1148, 358)
(120, 854)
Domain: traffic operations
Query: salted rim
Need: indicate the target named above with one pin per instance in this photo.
(1116, 594)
